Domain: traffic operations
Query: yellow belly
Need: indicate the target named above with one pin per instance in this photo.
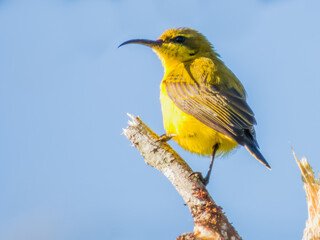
(191, 134)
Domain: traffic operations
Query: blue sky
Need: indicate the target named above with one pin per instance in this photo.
(67, 172)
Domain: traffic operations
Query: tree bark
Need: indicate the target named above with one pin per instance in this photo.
(209, 220)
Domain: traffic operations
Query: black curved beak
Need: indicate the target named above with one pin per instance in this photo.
(145, 42)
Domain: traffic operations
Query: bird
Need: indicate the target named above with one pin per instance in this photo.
(203, 103)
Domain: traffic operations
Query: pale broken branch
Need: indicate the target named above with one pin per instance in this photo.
(311, 186)
(209, 220)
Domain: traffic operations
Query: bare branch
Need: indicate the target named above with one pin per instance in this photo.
(311, 186)
(209, 220)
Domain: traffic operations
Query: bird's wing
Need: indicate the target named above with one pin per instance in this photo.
(215, 102)
(223, 109)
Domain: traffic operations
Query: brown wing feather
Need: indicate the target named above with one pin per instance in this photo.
(224, 110)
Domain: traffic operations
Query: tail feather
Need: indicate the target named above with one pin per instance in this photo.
(257, 154)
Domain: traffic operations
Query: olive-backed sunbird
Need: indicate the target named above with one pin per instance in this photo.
(203, 103)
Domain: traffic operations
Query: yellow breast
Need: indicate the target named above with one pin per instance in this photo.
(191, 134)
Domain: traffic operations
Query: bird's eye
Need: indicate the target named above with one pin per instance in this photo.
(179, 39)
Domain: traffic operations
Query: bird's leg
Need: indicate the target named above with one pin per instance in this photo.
(166, 137)
(206, 179)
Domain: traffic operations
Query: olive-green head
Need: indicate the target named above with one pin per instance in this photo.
(178, 45)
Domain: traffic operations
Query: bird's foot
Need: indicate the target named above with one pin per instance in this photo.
(204, 180)
(165, 137)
